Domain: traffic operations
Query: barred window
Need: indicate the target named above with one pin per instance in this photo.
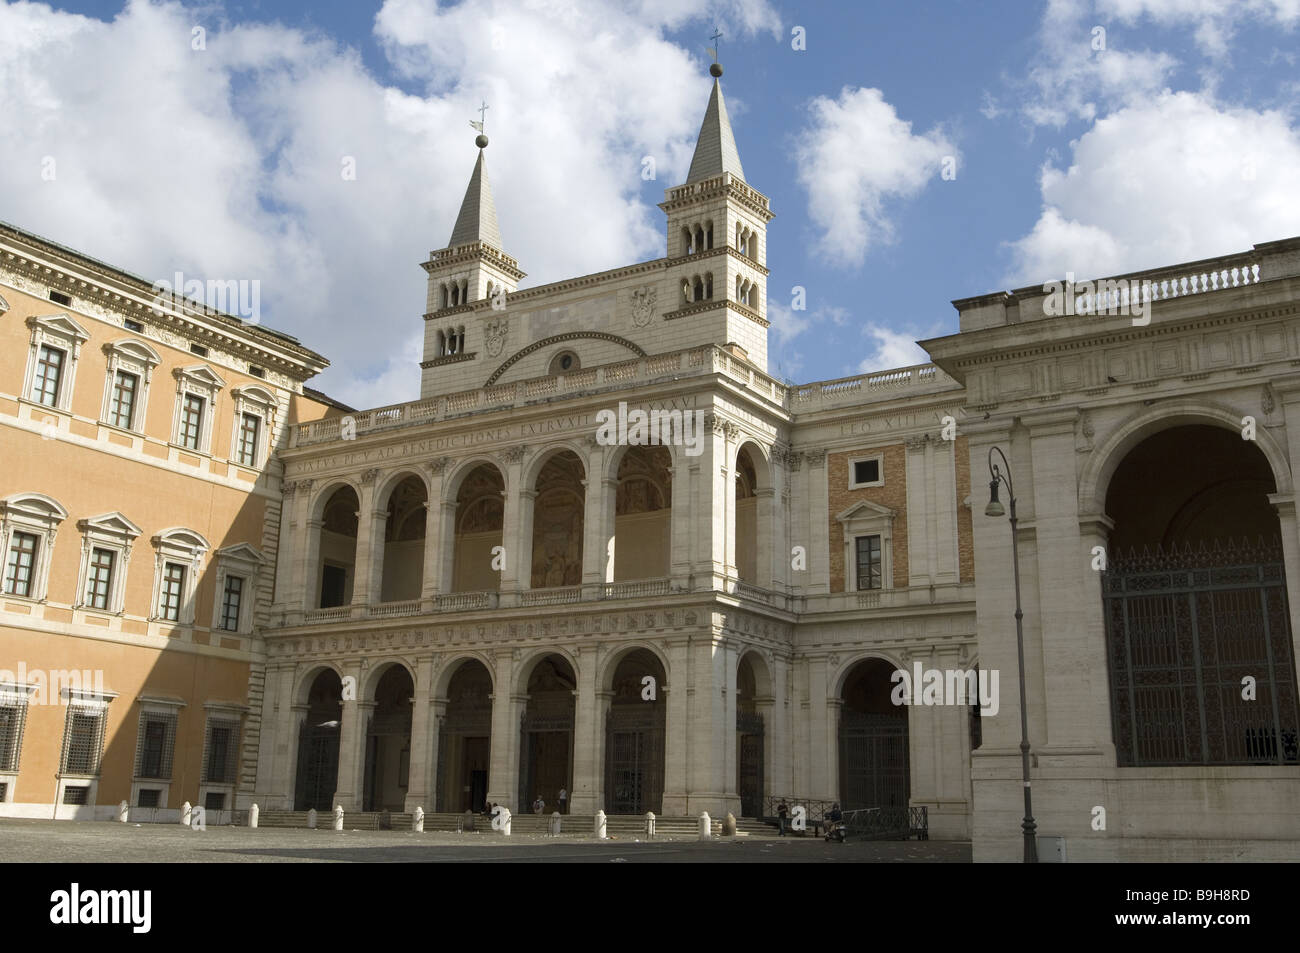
(13, 716)
(220, 751)
(49, 369)
(121, 409)
(100, 579)
(83, 740)
(155, 745)
(230, 603)
(868, 552)
(76, 794)
(147, 797)
(173, 584)
(19, 565)
(214, 801)
(249, 427)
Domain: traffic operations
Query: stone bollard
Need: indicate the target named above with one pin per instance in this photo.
(601, 831)
(650, 823)
(338, 817)
(123, 811)
(555, 822)
(467, 822)
(706, 826)
(729, 825)
(185, 814)
(417, 820)
(252, 815)
(311, 819)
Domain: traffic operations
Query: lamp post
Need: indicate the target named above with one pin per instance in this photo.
(995, 508)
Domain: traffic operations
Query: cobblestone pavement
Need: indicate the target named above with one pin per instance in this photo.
(40, 841)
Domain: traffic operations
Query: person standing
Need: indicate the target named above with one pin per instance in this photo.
(782, 812)
(564, 800)
(539, 805)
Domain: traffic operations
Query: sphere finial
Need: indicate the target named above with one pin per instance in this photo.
(715, 69)
(481, 141)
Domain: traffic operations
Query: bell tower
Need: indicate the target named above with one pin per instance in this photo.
(471, 268)
(717, 239)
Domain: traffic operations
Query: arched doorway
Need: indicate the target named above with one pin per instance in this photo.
(745, 541)
(1195, 603)
(404, 529)
(546, 742)
(388, 742)
(750, 731)
(643, 514)
(558, 522)
(337, 548)
(465, 740)
(318, 744)
(874, 763)
(634, 736)
(480, 518)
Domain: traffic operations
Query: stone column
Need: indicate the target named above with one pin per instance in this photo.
(370, 545)
(823, 722)
(677, 728)
(588, 735)
(920, 517)
(439, 536)
(503, 775)
(680, 537)
(278, 747)
(945, 563)
(730, 741)
(518, 526)
(775, 573)
(708, 728)
(352, 751)
(819, 528)
(290, 543)
(444, 559)
(600, 496)
(419, 790)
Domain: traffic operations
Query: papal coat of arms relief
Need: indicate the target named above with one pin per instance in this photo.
(643, 306)
(495, 335)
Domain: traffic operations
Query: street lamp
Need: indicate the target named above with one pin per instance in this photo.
(995, 508)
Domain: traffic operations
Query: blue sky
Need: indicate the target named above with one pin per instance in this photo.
(1092, 136)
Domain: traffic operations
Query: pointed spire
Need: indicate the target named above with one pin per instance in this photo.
(715, 150)
(477, 221)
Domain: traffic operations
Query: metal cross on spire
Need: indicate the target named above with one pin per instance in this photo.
(482, 117)
(717, 35)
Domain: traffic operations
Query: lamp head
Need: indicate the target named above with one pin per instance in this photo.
(995, 508)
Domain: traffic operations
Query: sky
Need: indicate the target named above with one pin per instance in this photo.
(914, 153)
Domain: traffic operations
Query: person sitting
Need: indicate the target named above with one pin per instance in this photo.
(835, 818)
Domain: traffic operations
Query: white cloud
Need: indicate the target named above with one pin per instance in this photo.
(1177, 179)
(225, 162)
(855, 155)
(1213, 21)
(892, 349)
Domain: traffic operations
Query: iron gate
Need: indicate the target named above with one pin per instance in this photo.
(318, 767)
(874, 770)
(749, 728)
(532, 728)
(634, 759)
(1185, 631)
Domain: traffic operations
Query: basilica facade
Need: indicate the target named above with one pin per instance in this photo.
(605, 553)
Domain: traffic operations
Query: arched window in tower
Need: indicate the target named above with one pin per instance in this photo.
(442, 344)
(697, 287)
(446, 296)
(460, 340)
(708, 286)
(686, 292)
(454, 298)
(686, 241)
(699, 238)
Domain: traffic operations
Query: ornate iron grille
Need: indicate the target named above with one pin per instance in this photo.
(634, 759)
(13, 716)
(1185, 628)
(83, 738)
(220, 751)
(874, 769)
(750, 763)
(155, 745)
(318, 766)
